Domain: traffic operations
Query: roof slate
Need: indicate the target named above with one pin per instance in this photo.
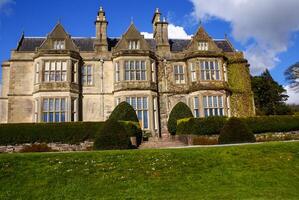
(86, 44)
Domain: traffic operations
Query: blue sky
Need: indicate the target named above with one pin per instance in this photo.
(268, 40)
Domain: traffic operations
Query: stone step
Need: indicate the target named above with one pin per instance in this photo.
(156, 142)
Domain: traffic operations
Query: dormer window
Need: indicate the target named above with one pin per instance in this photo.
(203, 46)
(59, 44)
(134, 44)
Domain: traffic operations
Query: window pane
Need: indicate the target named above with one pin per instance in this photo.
(144, 102)
(131, 65)
(212, 65)
(216, 65)
(139, 115)
(220, 101)
(206, 112)
(47, 66)
(62, 105)
(202, 73)
(57, 107)
(215, 101)
(221, 112)
(64, 66)
(195, 102)
(51, 117)
(51, 105)
(137, 65)
(127, 75)
(134, 102)
(126, 65)
(57, 117)
(45, 106)
(217, 75)
(58, 66)
(145, 119)
(143, 65)
(205, 102)
(62, 119)
(139, 103)
(63, 76)
(138, 75)
(45, 117)
(58, 76)
(176, 70)
(89, 70)
(52, 66)
(143, 75)
(210, 101)
(128, 100)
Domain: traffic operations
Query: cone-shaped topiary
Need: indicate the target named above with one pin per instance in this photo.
(235, 131)
(112, 136)
(179, 111)
(124, 112)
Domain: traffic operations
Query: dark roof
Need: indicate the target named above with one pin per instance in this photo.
(86, 44)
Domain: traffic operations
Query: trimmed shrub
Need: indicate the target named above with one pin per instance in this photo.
(235, 131)
(201, 126)
(277, 123)
(68, 132)
(179, 111)
(133, 130)
(113, 135)
(124, 112)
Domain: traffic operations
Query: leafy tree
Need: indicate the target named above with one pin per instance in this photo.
(269, 96)
(179, 111)
(292, 76)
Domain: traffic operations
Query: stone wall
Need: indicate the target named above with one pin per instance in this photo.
(84, 146)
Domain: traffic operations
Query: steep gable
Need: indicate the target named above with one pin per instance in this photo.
(132, 34)
(202, 37)
(58, 34)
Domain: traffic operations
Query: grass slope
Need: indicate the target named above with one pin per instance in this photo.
(267, 171)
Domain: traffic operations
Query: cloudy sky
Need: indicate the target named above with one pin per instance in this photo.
(267, 30)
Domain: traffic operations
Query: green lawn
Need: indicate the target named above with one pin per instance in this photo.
(264, 171)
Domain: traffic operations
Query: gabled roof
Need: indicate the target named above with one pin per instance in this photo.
(58, 33)
(132, 34)
(202, 36)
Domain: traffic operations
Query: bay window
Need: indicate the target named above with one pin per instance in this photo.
(135, 70)
(117, 72)
(213, 106)
(140, 105)
(196, 106)
(193, 72)
(55, 71)
(54, 110)
(210, 70)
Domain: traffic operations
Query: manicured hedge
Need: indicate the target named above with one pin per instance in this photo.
(278, 123)
(235, 131)
(179, 111)
(113, 135)
(69, 132)
(213, 125)
(124, 112)
(200, 126)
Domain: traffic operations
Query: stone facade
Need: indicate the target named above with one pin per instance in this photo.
(61, 78)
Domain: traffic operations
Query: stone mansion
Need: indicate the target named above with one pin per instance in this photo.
(59, 78)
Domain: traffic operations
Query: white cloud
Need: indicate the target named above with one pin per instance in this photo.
(4, 6)
(293, 95)
(264, 27)
(174, 32)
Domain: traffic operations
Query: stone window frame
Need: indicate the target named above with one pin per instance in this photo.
(59, 44)
(84, 73)
(178, 74)
(203, 46)
(49, 72)
(132, 71)
(37, 73)
(154, 72)
(193, 72)
(117, 71)
(54, 110)
(134, 44)
(140, 110)
(212, 107)
(196, 110)
(207, 72)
